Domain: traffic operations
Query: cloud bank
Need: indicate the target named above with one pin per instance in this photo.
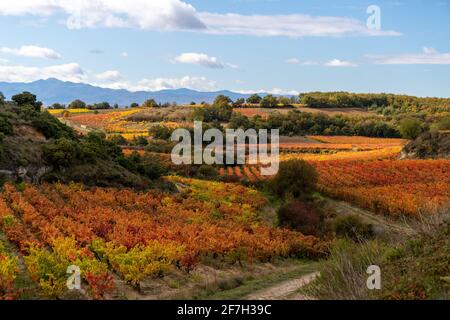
(177, 15)
(32, 51)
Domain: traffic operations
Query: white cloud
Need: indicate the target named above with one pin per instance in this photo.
(124, 54)
(429, 56)
(3, 61)
(65, 72)
(233, 66)
(293, 61)
(32, 51)
(276, 91)
(284, 92)
(340, 63)
(188, 82)
(293, 25)
(200, 59)
(110, 75)
(309, 63)
(143, 14)
(169, 15)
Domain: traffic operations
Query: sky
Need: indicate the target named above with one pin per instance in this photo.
(277, 46)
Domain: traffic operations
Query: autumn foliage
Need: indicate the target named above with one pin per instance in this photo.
(138, 235)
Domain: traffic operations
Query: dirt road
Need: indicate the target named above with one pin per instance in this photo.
(287, 290)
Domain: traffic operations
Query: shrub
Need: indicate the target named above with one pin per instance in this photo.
(151, 167)
(77, 104)
(351, 227)
(343, 275)
(61, 153)
(269, 101)
(443, 124)
(160, 132)
(295, 178)
(300, 216)
(27, 99)
(215, 113)
(207, 171)
(118, 139)
(140, 141)
(5, 125)
(49, 126)
(410, 128)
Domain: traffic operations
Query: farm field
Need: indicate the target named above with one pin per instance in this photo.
(122, 233)
(372, 178)
(263, 112)
(111, 122)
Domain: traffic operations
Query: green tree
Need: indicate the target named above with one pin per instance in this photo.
(410, 128)
(134, 105)
(286, 102)
(77, 104)
(239, 103)
(222, 100)
(150, 103)
(27, 99)
(295, 178)
(61, 153)
(254, 99)
(269, 101)
(239, 121)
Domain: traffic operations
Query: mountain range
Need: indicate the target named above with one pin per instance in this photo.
(53, 90)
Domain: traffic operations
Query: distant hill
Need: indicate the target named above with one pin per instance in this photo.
(52, 90)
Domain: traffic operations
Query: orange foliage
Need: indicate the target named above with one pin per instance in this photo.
(393, 187)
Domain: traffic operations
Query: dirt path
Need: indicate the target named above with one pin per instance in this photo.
(380, 222)
(286, 290)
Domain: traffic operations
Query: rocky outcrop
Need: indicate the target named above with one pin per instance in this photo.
(429, 145)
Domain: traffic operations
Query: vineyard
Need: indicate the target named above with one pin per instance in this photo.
(373, 179)
(392, 187)
(111, 123)
(110, 233)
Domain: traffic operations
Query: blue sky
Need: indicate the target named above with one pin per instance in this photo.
(280, 46)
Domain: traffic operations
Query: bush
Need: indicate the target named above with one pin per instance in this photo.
(351, 227)
(139, 141)
(216, 113)
(118, 139)
(151, 167)
(269, 101)
(61, 153)
(410, 128)
(295, 178)
(206, 171)
(95, 146)
(343, 275)
(300, 216)
(160, 132)
(49, 126)
(5, 125)
(77, 104)
(443, 124)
